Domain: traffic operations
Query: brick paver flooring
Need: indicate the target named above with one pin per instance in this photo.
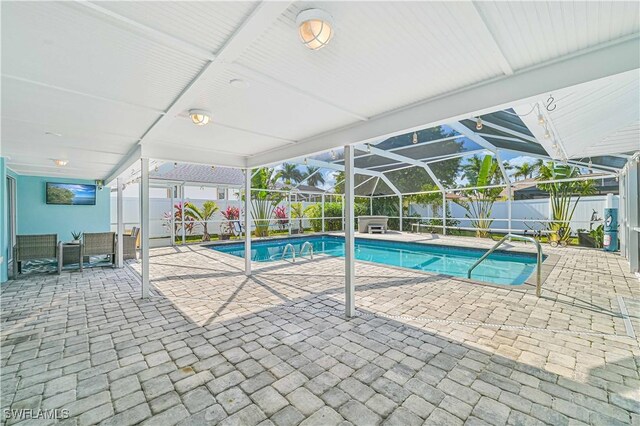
(212, 346)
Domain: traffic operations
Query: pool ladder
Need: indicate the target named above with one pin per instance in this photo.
(516, 237)
(307, 244)
(289, 246)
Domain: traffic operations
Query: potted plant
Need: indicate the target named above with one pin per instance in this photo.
(76, 237)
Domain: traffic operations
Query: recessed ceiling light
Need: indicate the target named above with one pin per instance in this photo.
(52, 134)
(315, 27)
(239, 83)
(61, 163)
(200, 117)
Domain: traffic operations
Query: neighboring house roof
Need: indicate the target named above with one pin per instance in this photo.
(198, 174)
(300, 188)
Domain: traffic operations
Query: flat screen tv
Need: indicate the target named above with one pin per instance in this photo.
(72, 194)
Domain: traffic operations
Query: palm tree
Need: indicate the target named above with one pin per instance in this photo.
(525, 170)
(202, 215)
(472, 169)
(313, 176)
(480, 200)
(290, 173)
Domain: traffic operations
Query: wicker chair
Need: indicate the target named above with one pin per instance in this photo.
(130, 242)
(98, 243)
(33, 247)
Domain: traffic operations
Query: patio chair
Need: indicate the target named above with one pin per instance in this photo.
(33, 247)
(129, 244)
(98, 243)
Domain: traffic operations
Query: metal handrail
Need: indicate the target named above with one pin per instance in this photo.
(517, 237)
(293, 252)
(306, 244)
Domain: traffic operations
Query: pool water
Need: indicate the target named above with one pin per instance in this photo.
(499, 268)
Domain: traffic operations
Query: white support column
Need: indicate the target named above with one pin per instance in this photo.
(144, 224)
(400, 212)
(509, 201)
(349, 237)
(633, 201)
(444, 213)
(247, 223)
(322, 213)
(371, 206)
(173, 216)
(184, 231)
(120, 223)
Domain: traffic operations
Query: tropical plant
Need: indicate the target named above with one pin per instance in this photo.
(264, 201)
(202, 214)
(525, 170)
(560, 194)
(598, 236)
(290, 173)
(331, 210)
(298, 212)
(167, 218)
(280, 212)
(76, 235)
(231, 214)
(479, 200)
(313, 176)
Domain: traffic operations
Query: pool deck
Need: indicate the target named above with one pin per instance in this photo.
(212, 346)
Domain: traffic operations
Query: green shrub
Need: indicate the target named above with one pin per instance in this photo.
(334, 210)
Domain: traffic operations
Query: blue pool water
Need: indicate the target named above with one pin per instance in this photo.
(499, 268)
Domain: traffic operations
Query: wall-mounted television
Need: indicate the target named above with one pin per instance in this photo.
(71, 194)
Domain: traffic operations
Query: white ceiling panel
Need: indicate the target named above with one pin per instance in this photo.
(384, 55)
(267, 109)
(206, 24)
(531, 32)
(215, 138)
(66, 45)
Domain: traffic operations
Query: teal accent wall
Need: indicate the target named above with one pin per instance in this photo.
(35, 216)
(4, 224)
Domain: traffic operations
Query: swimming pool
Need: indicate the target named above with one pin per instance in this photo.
(499, 268)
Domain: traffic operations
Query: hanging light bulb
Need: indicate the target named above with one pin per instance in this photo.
(175, 165)
(369, 148)
(415, 137)
(305, 161)
(155, 169)
(479, 124)
(590, 164)
(333, 155)
(540, 120)
(547, 133)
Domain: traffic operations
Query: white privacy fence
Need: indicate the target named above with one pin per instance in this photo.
(525, 214)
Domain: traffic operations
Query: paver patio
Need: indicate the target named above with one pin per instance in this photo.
(212, 346)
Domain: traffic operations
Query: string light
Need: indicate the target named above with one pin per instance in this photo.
(175, 165)
(540, 120)
(479, 124)
(369, 148)
(547, 133)
(415, 137)
(305, 161)
(333, 155)
(590, 164)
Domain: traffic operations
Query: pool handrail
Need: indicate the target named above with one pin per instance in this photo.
(516, 237)
(293, 252)
(306, 244)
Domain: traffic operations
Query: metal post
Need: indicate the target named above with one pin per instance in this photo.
(342, 205)
(510, 192)
(289, 214)
(349, 238)
(120, 223)
(184, 231)
(371, 206)
(400, 210)
(444, 213)
(173, 217)
(322, 213)
(144, 224)
(633, 201)
(247, 223)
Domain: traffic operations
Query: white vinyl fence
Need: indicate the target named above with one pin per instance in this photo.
(525, 214)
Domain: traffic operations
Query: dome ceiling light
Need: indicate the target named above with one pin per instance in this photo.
(61, 163)
(200, 117)
(315, 27)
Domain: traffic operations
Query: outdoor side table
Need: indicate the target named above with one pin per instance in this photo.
(68, 253)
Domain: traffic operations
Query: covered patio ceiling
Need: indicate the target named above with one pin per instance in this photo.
(104, 84)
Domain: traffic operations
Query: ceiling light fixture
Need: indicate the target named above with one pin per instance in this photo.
(415, 137)
(61, 163)
(315, 27)
(479, 124)
(200, 117)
